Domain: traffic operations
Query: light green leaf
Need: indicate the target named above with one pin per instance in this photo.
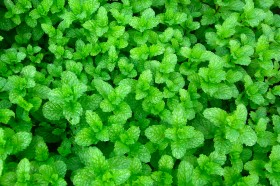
(75, 6)
(216, 115)
(101, 17)
(133, 133)
(94, 121)
(241, 113)
(227, 29)
(94, 158)
(23, 171)
(21, 141)
(102, 87)
(90, 6)
(168, 63)
(123, 90)
(184, 174)
(274, 155)
(65, 148)
(69, 78)
(49, 29)
(155, 133)
(140, 53)
(156, 50)
(121, 176)
(179, 116)
(178, 149)
(1, 166)
(276, 90)
(106, 106)
(249, 136)
(52, 111)
(166, 162)
(5, 115)
(72, 112)
(225, 92)
(85, 137)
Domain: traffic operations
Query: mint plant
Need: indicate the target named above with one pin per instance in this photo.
(139, 92)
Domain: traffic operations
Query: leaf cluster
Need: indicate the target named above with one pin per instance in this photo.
(139, 92)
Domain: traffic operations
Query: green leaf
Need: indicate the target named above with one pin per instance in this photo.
(178, 149)
(54, 70)
(75, 6)
(120, 148)
(90, 102)
(187, 135)
(102, 87)
(242, 54)
(155, 133)
(49, 29)
(241, 113)
(23, 171)
(21, 141)
(216, 115)
(168, 63)
(276, 90)
(44, 7)
(1, 166)
(225, 92)
(41, 150)
(69, 78)
(72, 112)
(166, 163)
(179, 116)
(5, 115)
(140, 53)
(121, 114)
(232, 134)
(184, 174)
(94, 121)
(144, 81)
(93, 157)
(60, 168)
(156, 50)
(227, 29)
(253, 16)
(103, 135)
(102, 19)
(90, 6)
(74, 67)
(274, 155)
(126, 68)
(52, 111)
(121, 176)
(249, 136)
(123, 90)
(65, 148)
(106, 106)
(148, 20)
(131, 136)
(234, 76)
(8, 179)
(85, 137)
(137, 7)
(83, 177)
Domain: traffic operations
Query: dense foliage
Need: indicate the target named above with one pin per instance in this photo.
(139, 92)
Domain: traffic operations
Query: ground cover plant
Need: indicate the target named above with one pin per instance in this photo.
(139, 92)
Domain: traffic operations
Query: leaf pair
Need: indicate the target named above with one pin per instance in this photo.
(63, 101)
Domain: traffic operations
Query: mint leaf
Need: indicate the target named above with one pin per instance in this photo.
(52, 111)
(23, 171)
(5, 115)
